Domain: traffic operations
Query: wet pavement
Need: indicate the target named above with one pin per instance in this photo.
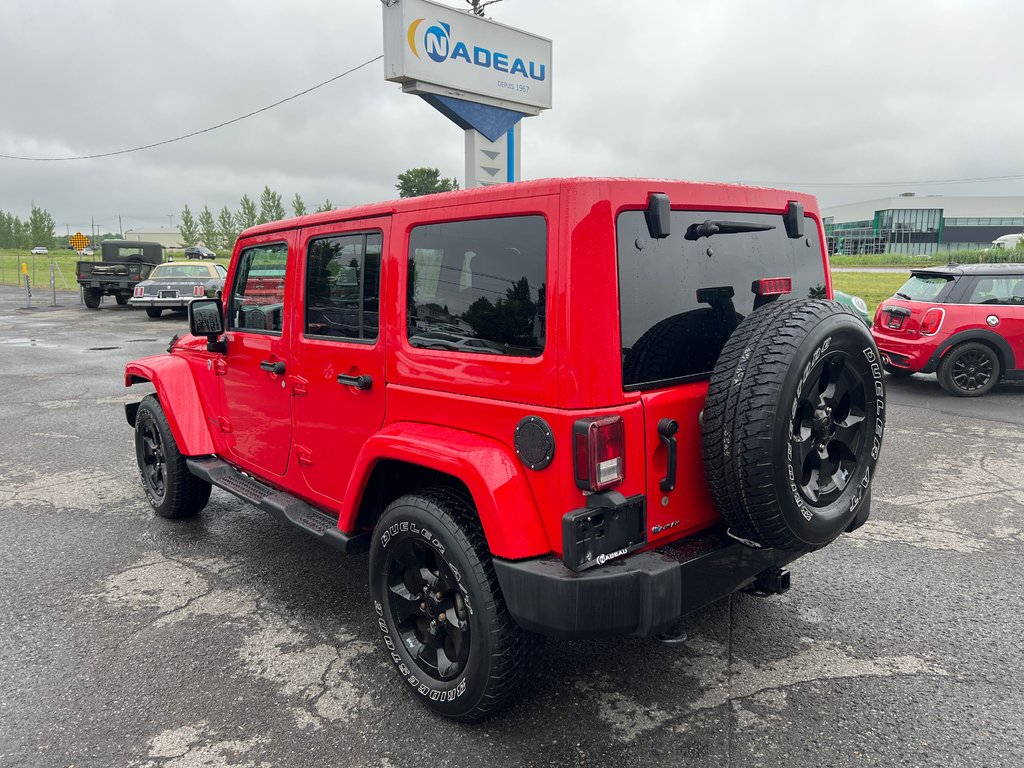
(228, 640)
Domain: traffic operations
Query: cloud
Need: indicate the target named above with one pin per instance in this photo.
(791, 94)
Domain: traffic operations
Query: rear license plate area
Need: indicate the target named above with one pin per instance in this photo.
(895, 321)
(167, 295)
(595, 535)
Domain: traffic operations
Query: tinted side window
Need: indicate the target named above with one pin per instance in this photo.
(479, 286)
(997, 290)
(343, 286)
(257, 297)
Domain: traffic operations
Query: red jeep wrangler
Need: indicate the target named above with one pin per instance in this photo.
(576, 407)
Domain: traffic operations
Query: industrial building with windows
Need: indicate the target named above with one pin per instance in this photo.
(924, 224)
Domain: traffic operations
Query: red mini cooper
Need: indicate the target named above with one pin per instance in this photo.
(965, 323)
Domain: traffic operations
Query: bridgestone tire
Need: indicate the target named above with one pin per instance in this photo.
(121, 300)
(440, 611)
(154, 312)
(92, 298)
(969, 370)
(171, 489)
(793, 424)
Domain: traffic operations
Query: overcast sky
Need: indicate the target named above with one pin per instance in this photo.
(797, 94)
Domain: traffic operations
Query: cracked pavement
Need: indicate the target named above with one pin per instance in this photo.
(229, 640)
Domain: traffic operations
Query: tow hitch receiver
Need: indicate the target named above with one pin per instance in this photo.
(773, 581)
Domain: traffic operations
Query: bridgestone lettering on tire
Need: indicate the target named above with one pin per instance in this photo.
(172, 490)
(442, 618)
(793, 423)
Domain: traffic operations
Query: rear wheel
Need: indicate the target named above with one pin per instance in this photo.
(154, 311)
(969, 370)
(439, 607)
(121, 300)
(92, 297)
(172, 490)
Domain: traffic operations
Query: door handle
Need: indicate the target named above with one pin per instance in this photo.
(667, 429)
(273, 366)
(363, 381)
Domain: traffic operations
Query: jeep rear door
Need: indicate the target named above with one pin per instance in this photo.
(680, 299)
(338, 354)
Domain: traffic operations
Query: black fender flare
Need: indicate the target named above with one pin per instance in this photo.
(985, 336)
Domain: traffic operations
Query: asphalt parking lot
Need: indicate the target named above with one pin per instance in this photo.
(228, 640)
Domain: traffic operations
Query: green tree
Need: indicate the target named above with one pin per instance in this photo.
(298, 205)
(245, 216)
(208, 229)
(270, 206)
(41, 227)
(188, 228)
(325, 206)
(10, 227)
(226, 229)
(423, 181)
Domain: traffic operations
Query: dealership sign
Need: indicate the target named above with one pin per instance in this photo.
(431, 48)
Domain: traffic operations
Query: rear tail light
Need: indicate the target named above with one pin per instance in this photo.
(198, 291)
(599, 447)
(772, 286)
(139, 292)
(932, 321)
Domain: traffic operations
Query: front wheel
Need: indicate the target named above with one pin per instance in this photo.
(440, 610)
(969, 370)
(121, 299)
(172, 490)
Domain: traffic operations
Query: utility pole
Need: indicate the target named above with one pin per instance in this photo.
(92, 228)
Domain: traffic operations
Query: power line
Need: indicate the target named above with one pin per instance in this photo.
(204, 130)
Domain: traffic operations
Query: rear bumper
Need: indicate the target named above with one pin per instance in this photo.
(152, 301)
(911, 355)
(638, 595)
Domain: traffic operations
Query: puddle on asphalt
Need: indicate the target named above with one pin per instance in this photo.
(132, 341)
(27, 342)
(100, 349)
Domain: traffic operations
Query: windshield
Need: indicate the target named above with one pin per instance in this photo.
(923, 287)
(682, 296)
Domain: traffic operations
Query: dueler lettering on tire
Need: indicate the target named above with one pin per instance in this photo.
(793, 423)
(439, 609)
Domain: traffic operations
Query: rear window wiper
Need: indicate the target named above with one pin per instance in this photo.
(709, 228)
(903, 296)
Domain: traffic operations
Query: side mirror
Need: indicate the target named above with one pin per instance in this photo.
(206, 318)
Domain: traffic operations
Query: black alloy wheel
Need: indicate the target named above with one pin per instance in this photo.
(171, 489)
(829, 428)
(969, 370)
(439, 607)
(152, 461)
(428, 610)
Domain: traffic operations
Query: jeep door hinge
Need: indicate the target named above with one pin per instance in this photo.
(224, 423)
(304, 455)
(300, 386)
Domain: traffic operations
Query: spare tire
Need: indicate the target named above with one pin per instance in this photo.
(793, 423)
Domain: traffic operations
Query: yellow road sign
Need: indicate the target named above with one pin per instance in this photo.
(79, 241)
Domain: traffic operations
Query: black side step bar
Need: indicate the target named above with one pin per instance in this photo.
(282, 505)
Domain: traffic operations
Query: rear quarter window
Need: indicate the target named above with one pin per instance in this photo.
(478, 287)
